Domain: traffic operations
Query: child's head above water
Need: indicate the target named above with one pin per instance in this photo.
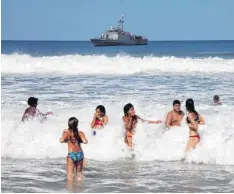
(101, 110)
(129, 109)
(32, 101)
(216, 98)
(73, 123)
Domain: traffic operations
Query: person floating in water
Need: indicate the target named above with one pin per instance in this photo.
(100, 119)
(217, 100)
(32, 110)
(130, 120)
(73, 137)
(193, 120)
(175, 116)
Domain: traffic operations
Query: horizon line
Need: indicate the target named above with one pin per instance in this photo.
(148, 40)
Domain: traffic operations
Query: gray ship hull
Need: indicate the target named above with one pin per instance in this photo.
(100, 42)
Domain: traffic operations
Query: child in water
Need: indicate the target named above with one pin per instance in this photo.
(216, 100)
(130, 120)
(194, 119)
(32, 110)
(100, 119)
(73, 137)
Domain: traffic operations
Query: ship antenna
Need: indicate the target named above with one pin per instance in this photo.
(121, 21)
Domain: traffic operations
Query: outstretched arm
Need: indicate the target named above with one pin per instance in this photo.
(149, 121)
(82, 137)
(64, 137)
(44, 114)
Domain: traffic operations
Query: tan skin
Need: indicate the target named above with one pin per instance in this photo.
(130, 122)
(101, 117)
(32, 111)
(73, 147)
(193, 131)
(174, 117)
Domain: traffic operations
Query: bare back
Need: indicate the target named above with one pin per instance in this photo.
(72, 141)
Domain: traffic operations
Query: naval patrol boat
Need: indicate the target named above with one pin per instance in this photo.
(117, 36)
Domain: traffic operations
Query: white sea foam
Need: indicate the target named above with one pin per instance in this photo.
(100, 64)
(40, 140)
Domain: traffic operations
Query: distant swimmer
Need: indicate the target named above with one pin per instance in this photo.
(100, 119)
(217, 100)
(73, 137)
(193, 120)
(32, 110)
(130, 120)
(175, 116)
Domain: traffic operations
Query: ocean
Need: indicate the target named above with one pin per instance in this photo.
(72, 78)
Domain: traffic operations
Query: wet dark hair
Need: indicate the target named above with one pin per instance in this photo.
(102, 109)
(32, 101)
(190, 106)
(127, 108)
(176, 102)
(216, 98)
(72, 126)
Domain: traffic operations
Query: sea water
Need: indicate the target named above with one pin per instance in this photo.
(72, 78)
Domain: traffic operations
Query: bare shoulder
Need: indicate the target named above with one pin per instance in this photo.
(191, 115)
(65, 132)
(27, 110)
(125, 119)
(170, 112)
(182, 113)
(138, 117)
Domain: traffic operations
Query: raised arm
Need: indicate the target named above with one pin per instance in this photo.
(128, 124)
(193, 123)
(202, 121)
(64, 137)
(82, 137)
(92, 125)
(105, 120)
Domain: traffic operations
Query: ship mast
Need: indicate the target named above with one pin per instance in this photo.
(120, 23)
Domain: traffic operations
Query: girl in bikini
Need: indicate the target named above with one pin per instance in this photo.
(100, 119)
(73, 137)
(130, 120)
(193, 120)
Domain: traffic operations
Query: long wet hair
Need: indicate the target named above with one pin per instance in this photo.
(102, 109)
(127, 108)
(72, 126)
(190, 106)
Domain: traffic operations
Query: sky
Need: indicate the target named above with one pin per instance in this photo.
(85, 19)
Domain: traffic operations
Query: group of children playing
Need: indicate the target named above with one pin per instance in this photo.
(73, 137)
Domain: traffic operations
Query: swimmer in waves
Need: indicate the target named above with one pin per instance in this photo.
(130, 120)
(193, 120)
(32, 111)
(100, 119)
(174, 117)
